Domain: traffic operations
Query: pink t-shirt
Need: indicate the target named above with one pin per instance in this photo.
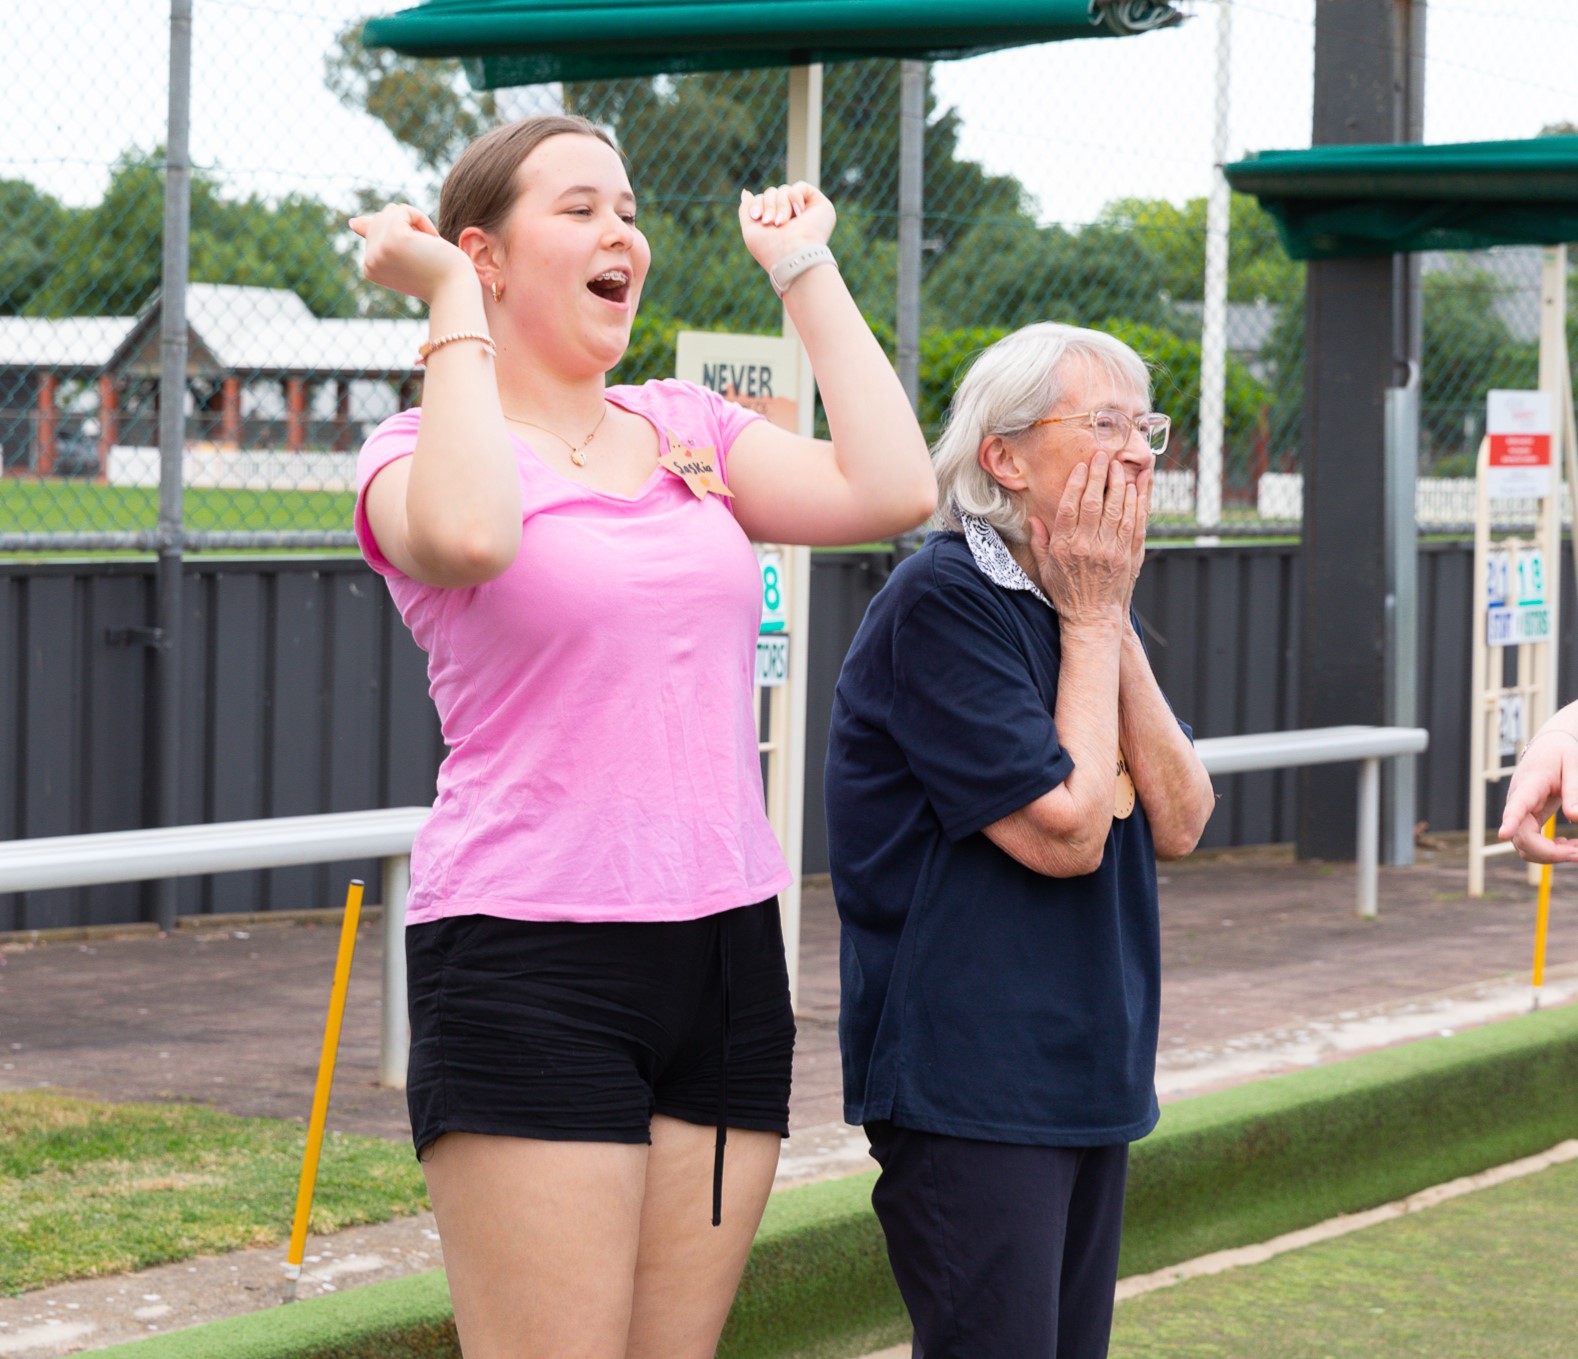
(597, 697)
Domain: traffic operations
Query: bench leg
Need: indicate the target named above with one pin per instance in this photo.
(1369, 834)
(394, 1030)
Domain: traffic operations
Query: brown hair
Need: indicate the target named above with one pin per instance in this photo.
(480, 188)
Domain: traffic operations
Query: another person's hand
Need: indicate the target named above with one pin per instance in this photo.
(405, 252)
(1087, 560)
(780, 220)
(1546, 779)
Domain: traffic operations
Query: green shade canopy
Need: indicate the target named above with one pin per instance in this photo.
(529, 42)
(1332, 202)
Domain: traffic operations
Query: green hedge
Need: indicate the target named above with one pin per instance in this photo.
(405, 1318)
(945, 356)
(817, 1285)
(1246, 1164)
(1226, 1169)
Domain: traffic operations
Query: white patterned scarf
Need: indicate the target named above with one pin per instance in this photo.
(994, 559)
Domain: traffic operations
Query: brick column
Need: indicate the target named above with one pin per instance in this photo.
(230, 412)
(48, 423)
(109, 423)
(296, 420)
(342, 416)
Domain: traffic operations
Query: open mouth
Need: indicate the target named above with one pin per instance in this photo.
(612, 285)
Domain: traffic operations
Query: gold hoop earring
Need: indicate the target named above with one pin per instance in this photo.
(497, 291)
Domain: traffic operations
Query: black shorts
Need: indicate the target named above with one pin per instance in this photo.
(581, 1032)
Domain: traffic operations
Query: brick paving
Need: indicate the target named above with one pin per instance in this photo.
(1252, 942)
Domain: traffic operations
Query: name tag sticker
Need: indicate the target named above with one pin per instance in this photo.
(696, 467)
(1123, 794)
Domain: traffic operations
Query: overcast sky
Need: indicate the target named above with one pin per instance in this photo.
(1079, 123)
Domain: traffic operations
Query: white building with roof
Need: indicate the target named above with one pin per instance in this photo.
(276, 396)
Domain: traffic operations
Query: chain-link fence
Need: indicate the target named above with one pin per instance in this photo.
(1066, 181)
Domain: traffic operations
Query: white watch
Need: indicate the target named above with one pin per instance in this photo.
(784, 273)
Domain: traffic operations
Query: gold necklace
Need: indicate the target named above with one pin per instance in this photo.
(576, 456)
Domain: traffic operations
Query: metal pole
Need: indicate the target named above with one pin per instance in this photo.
(1213, 328)
(1369, 817)
(912, 173)
(1401, 707)
(1555, 378)
(394, 1030)
(172, 438)
(804, 162)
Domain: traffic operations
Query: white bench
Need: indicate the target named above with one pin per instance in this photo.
(230, 846)
(1325, 745)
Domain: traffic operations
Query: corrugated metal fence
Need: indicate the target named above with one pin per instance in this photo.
(305, 693)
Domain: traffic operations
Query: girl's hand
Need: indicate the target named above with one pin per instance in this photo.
(405, 252)
(778, 221)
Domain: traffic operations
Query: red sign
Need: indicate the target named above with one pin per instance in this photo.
(1520, 450)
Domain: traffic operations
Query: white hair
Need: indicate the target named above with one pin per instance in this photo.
(1013, 383)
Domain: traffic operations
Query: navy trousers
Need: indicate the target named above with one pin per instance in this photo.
(1001, 1251)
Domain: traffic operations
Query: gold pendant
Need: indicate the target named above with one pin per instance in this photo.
(578, 457)
(1123, 793)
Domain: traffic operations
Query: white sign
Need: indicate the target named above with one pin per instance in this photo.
(759, 372)
(1502, 626)
(1518, 427)
(1531, 578)
(775, 610)
(1508, 625)
(1498, 577)
(1509, 725)
(1517, 609)
(772, 661)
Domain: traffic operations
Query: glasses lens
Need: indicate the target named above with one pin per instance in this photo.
(1111, 429)
(1156, 429)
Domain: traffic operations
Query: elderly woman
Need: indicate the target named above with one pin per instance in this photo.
(1003, 773)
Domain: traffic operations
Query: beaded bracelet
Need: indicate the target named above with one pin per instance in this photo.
(485, 340)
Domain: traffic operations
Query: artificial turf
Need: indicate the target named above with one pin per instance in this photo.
(1231, 1168)
(1487, 1276)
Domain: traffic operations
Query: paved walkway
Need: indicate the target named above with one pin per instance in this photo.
(1266, 968)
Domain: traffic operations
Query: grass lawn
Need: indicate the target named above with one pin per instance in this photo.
(1487, 1276)
(61, 506)
(89, 1188)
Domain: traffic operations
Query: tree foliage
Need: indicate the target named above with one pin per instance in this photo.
(107, 260)
(1174, 239)
(694, 141)
(697, 140)
(1465, 351)
(1013, 273)
(426, 105)
(29, 250)
(1175, 385)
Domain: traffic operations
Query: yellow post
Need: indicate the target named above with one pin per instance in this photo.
(1542, 919)
(320, 1097)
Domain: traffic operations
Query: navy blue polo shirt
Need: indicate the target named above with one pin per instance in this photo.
(980, 998)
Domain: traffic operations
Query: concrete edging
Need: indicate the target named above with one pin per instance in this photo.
(1226, 1169)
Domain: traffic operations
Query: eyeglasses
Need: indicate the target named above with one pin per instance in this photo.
(1113, 428)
